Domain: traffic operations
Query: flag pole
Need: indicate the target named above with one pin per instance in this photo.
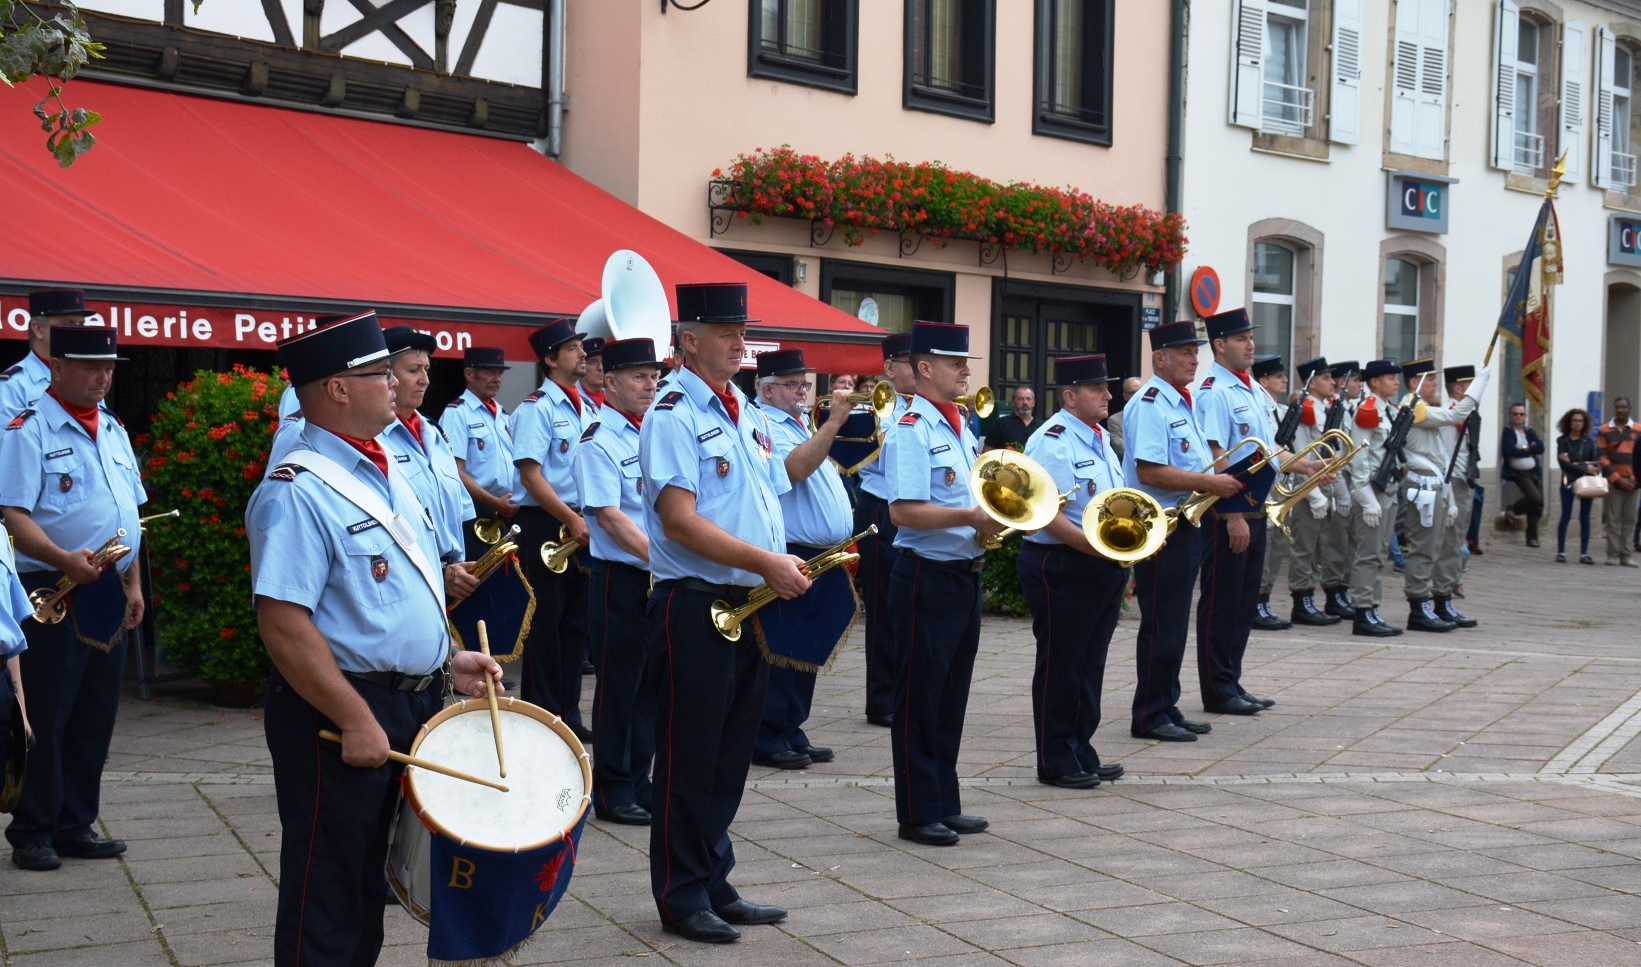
(1556, 172)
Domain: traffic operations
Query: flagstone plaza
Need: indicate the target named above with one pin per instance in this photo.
(1470, 798)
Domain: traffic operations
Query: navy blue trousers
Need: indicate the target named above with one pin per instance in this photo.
(936, 613)
(1085, 594)
(877, 563)
(553, 650)
(624, 692)
(711, 697)
(335, 820)
(791, 694)
(1162, 585)
(1225, 611)
(73, 691)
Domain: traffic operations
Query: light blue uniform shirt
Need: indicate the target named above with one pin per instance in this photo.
(22, 385)
(14, 603)
(925, 460)
(689, 442)
(1158, 427)
(430, 468)
(817, 508)
(80, 492)
(546, 428)
(1081, 460)
(483, 441)
(313, 547)
(871, 475)
(290, 430)
(288, 403)
(1229, 412)
(607, 475)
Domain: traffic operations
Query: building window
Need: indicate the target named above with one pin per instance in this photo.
(1623, 160)
(1418, 103)
(777, 267)
(1074, 70)
(809, 42)
(888, 298)
(1269, 89)
(1273, 300)
(1401, 310)
(1528, 149)
(949, 57)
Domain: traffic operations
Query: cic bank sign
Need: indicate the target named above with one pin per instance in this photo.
(1417, 202)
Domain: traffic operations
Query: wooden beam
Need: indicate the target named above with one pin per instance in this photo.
(385, 19)
(276, 20)
(475, 37)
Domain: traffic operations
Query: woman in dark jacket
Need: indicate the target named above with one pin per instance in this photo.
(1575, 451)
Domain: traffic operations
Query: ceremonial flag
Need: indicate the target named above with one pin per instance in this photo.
(1525, 319)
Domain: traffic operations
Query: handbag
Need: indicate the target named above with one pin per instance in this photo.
(1590, 485)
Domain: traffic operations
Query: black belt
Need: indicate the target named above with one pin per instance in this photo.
(733, 593)
(397, 681)
(972, 566)
(868, 495)
(543, 510)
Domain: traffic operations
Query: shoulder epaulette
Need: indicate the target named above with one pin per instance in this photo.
(1367, 415)
(591, 429)
(1150, 395)
(533, 397)
(8, 374)
(286, 472)
(18, 420)
(1053, 432)
(295, 416)
(453, 403)
(1208, 383)
(1307, 415)
(446, 436)
(670, 400)
(910, 419)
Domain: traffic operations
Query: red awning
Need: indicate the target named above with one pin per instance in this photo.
(194, 206)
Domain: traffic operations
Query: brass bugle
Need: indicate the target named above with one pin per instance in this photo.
(50, 606)
(728, 619)
(143, 521)
(1016, 491)
(1283, 500)
(881, 399)
(557, 556)
(981, 401)
(1195, 507)
(488, 529)
(492, 559)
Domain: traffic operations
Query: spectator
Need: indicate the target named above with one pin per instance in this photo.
(1615, 441)
(1130, 386)
(844, 381)
(1010, 432)
(1519, 451)
(1576, 452)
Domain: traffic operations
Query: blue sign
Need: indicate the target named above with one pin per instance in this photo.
(1417, 202)
(1624, 241)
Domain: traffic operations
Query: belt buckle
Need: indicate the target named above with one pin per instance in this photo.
(977, 565)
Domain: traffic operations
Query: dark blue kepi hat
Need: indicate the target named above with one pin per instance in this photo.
(627, 353)
(1077, 370)
(1418, 367)
(57, 302)
(331, 349)
(1458, 374)
(1311, 367)
(896, 344)
(781, 362)
(1267, 366)
(940, 339)
(712, 302)
(553, 335)
(85, 342)
(403, 338)
(593, 345)
(1171, 334)
(484, 357)
(1380, 367)
(1344, 369)
(1227, 323)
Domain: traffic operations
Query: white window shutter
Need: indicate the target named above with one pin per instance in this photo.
(1572, 97)
(1601, 155)
(1247, 62)
(1345, 99)
(1404, 79)
(1430, 103)
(1506, 27)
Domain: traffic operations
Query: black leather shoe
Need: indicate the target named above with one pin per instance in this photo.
(583, 733)
(1076, 780)
(1110, 773)
(1305, 611)
(625, 813)
(1200, 728)
(1338, 603)
(38, 856)
(1233, 706)
(1422, 617)
(703, 926)
(586, 667)
(934, 834)
(818, 753)
(1266, 619)
(882, 720)
(1369, 625)
(745, 914)
(1261, 702)
(784, 760)
(965, 824)
(1444, 610)
(90, 846)
(1166, 732)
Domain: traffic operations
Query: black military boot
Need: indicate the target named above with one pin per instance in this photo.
(1338, 603)
(1444, 610)
(1267, 619)
(1422, 617)
(1305, 611)
(1370, 625)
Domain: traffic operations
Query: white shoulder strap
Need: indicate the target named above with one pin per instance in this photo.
(361, 496)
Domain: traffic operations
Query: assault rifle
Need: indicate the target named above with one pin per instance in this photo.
(1396, 441)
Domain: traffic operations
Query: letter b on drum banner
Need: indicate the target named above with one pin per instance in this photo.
(485, 902)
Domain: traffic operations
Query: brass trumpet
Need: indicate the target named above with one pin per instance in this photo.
(488, 529)
(143, 521)
(50, 606)
(493, 558)
(981, 401)
(728, 620)
(881, 399)
(1283, 500)
(557, 556)
(1010, 488)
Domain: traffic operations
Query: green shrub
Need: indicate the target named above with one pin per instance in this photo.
(1000, 582)
(208, 448)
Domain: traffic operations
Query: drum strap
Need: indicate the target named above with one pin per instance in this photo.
(361, 496)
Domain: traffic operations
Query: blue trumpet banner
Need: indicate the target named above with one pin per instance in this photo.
(1255, 487)
(802, 633)
(857, 443)
(506, 603)
(484, 902)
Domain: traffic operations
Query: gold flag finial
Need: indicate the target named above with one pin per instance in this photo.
(1555, 175)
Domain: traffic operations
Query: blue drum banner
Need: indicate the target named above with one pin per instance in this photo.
(486, 902)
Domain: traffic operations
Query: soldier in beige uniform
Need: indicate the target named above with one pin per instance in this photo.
(1333, 571)
(1461, 440)
(1273, 376)
(1309, 523)
(1372, 512)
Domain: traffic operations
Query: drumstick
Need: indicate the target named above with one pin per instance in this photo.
(490, 692)
(411, 760)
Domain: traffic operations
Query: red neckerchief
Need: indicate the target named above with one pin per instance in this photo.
(86, 415)
(636, 421)
(1246, 379)
(1184, 391)
(491, 406)
(574, 395)
(414, 425)
(727, 397)
(598, 398)
(371, 449)
(951, 413)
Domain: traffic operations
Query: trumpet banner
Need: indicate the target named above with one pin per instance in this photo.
(857, 443)
(506, 603)
(96, 611)
(803, 634)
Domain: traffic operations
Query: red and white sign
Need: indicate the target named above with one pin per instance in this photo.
(752, 350)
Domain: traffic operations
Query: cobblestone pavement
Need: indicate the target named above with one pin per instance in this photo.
(1470, 798)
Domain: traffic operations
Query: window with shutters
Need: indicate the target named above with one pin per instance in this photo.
(1529, 87)
(1623, 138)
(1074, 70)
(950, 50)
(1419, 80)
(1293, 62)
(1527, 146)
(1288, 102)
(810, 42)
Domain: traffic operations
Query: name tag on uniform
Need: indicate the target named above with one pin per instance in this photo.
(630, 461)
(1081, 465)
(59, 453)
(940, 449)
(363, 526)
(1240, 409)
(1176, 424)
(715, 431)
(560, 423)
(475, 426)
(402, 457)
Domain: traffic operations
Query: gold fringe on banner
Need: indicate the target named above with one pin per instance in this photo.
(782, 661)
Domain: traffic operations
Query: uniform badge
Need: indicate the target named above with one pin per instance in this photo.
(564, 446)
(1243, 429)
(951, 476)
(378, 568)
(1091, 488)
(1185, 446)
(479, 441)
(65, 483)
(723, 468)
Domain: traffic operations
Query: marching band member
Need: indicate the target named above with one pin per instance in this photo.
(1272, 376)
(425, 457)
(934, 593)
(22, 384)
(607, 476)
(1336, 555)
(476, 426)
(591, 384)
(877, 552)
(70, 482)
(1166, 456)
(1372, 514)
(712, 508)
(1058, 566)
(545, 429)
(351, 610)
(1462, 440)
(15, 608)
(818, 516)
(1310, 524)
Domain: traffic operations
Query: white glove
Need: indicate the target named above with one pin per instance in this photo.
(1452, 505)
(1319, 503)
(1365, 498)
(1478, 386)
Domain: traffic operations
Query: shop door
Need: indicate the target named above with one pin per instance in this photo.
(1031, 333)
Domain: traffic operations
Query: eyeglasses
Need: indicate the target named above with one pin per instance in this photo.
(794, 387)
(384, 374)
